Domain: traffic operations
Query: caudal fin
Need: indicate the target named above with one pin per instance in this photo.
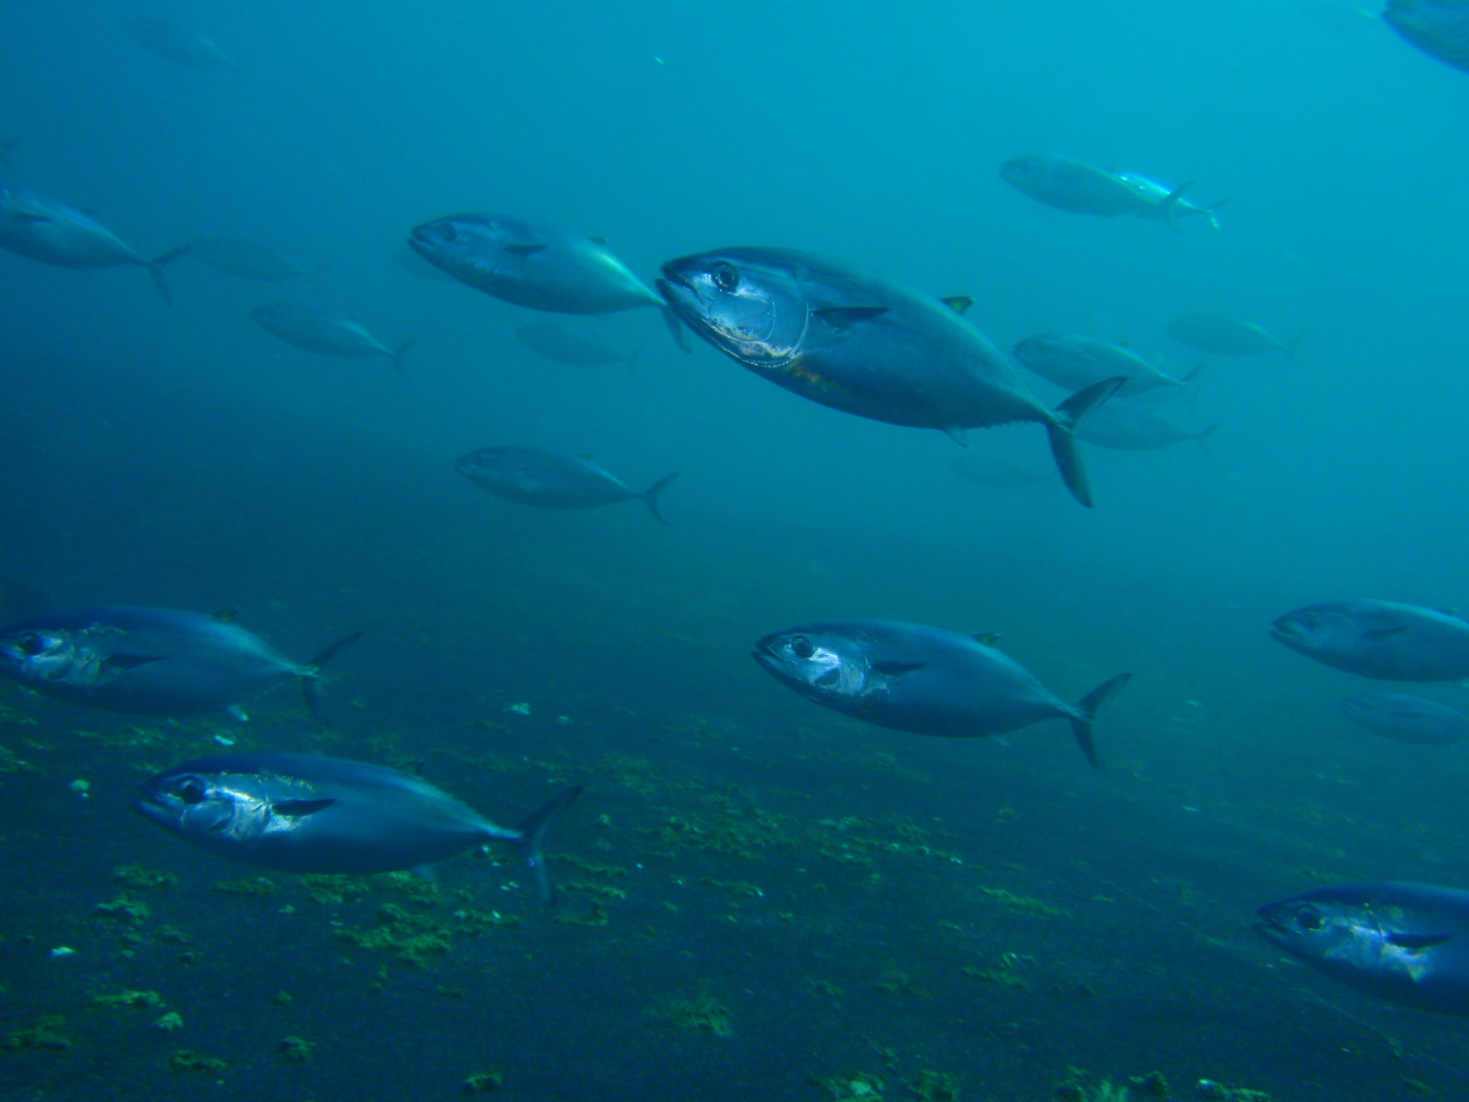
(1202, 438)
(173, 254)
(1212, 210)
(396, 356)
(650, 496)
(1086, 708)
(310, 680)
(155, 269)
(532, 830)
(1062, 429)
(676, 329)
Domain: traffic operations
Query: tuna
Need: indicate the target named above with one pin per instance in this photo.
(1380, 639)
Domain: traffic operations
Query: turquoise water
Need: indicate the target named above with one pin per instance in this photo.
(760, 898)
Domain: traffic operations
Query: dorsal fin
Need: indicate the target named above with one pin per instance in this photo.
(988, 638)
(958, 303)
(597, 240)
(225, 615)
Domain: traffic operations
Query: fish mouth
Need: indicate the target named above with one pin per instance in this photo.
(151, 809)
(764, 655)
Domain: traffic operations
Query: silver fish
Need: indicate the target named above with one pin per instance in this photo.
(867, 345)
(238, 257)
(910, 677)
(1076, 361)
(151, 661)
(551, 480)
(1409, 719)
(1226, 336)
(562, 345)
(54, 233)
(328, 334)
(1440, 28)
(1081, 188)
(1126, 426)
(307, 814)
(177, 43)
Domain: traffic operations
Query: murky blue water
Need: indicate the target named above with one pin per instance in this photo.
(761, 899)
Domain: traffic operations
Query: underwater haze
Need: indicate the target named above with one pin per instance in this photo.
(757, 897)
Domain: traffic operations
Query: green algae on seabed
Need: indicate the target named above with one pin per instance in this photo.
(595, 917)
(703, 1014)
(137, 878)
(295, 1050)
(414, 938)
(185, 1059)
(124, 909)
(934, 1086)
(859, 1086)
(41, 1035)
(1025, 904)
(139, 1000)
(251, 885)
(483, 1082)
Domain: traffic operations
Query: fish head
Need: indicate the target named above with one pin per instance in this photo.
(462, 243)
(1371, 709)
(752, 310)
(825, 666)
(219, 811)
(1039, 351)
(1323, 931)
(48, 656)
(1026, 172)
(485, 467)
(1321, 631)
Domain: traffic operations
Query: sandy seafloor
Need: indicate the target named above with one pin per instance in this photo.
(760, 899)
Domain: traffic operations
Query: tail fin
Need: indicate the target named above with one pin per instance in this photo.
(397, 355)
(1062, 427)
(1170, 204)
(1212, 210)
(676, 329)
(532, 830)
(1194, 374)
(1086, 709)
(309, 688)
(1203, 442)
(1291, 346)
(155, 269)
(173, 254)
(650, 496)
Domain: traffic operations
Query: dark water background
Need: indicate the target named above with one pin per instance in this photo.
(181, 457)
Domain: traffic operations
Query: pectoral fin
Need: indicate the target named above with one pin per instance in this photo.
(1384, 633)
(523, 250)
(1414, 942)
(896, 669)
(842, 318)
(300, 809)
(121, 663)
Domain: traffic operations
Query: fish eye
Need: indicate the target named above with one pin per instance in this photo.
(31, 644)
(191, 790)
(726, 277)
(802, 646)
(1309, 918)
(447, 231)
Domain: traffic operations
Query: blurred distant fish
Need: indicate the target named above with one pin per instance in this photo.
(328, 334)
(1126, 426)
(54, 233)
(304, 813)
(560, 344)
(177, 43)
(1077, 361)
(551, 480)
(1385, 640)
(1070, 185)
(867, 345)
(151, 661)
(1440, 28)
(538, 265)
(238, 257)
(991, 470)
(910, 677)
(1226, 336)
(1409, 719)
